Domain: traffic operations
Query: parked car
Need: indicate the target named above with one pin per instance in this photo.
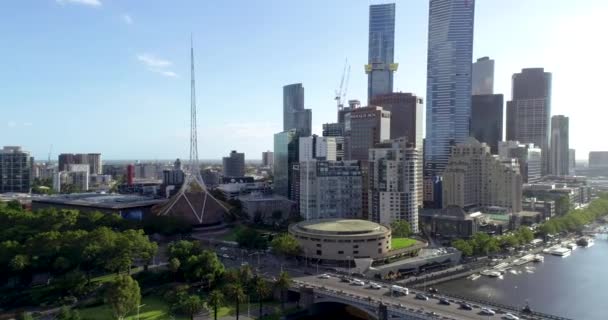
(444, 301)
(466, 306)
(324, 276)
(488, 311)
(421, 296)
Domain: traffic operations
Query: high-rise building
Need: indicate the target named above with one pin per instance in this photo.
(572, 161)
(486, 119)
(369, 125)
(381, 50)
(130, 174)
(16, 170)
(598, 159)
(267, 158)
(560, 149)
(330, 189)
(406, 115)
(482, 80)
(394, 174)
(285, 155)
(92, 159)
(476, 178)
(529, 111)
(315, 147)
(234, 165)
(448, 86)
(294, 114)
(528, 156)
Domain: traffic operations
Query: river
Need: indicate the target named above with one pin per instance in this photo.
(575, 287)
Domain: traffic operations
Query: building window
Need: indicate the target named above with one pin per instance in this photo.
(318, 245)
(380, 243)
(355, 252)
(356, 246)
(319, 252)
(340, 252)
(380, 250)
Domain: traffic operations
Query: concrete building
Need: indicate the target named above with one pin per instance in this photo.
(294, 114)
(285, 156)
(482, 81)
(560, 147)
(598, 159)
(260, 207)
(369, 125)
(450, 223)
(267, 158)
(315, 147)
(476, 178)
(149, 171)
(529, 111)
(381, 50)
(16, 170)
(486, 119)
(335, 240)
(571, 162)
(92, 159)
(234, 165)
(395, 177)
(330, 189)
(448, 86)
(545, 207)
(406, 115)
(528, 156)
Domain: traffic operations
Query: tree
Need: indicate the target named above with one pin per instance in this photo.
(286, 245)
(562, 205)
(525, 235)
(251, 239)
(174, 264)
(283, 283)
(245, 276)
(401, 229)
(190, 305)
(215, 299)
(123, 295)
(66, 313)
(464, 246)
(262, 290)
(235, 290)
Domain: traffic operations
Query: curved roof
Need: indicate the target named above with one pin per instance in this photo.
(340, 226)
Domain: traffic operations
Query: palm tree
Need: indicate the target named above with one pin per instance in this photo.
(283, 283)
(235, 290)
(215, 299)
(262, 290)
(245, 275)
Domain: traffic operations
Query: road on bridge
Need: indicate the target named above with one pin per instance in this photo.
(453, 311)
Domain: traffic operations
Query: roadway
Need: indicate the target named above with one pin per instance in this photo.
(453, 311)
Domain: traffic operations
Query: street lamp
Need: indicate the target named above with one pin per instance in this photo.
(139, 306)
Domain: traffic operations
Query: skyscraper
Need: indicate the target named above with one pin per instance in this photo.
(560, 150)
(448, 86)
(369, 125)
(234, 165)
(92, 159)
(529, 111)
(528, 156)
(16, 168)
(381, 50)
(486, 119)
(294, 114)
(285, 155)
(267, 158)
(572, 161)
(483, 76)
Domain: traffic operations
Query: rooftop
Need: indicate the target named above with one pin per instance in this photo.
(340, 226)
(101, 200)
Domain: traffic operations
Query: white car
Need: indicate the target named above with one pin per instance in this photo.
(510, 316)
(357, 282)
(488, 311)
(375, 286)
(223, 248)
(324, 276)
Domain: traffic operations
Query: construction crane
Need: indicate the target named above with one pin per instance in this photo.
(340, 96)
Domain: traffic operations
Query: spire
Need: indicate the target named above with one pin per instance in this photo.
(194, 164)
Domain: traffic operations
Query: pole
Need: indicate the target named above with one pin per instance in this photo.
(248, 306)
(139, 306)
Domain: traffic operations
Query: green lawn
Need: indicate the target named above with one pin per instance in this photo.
(231, 234)
(155, 309)
(400, 243)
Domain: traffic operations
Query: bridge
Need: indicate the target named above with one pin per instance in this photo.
(380, 304)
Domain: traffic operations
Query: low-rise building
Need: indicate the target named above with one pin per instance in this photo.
(450, 222)
(260, 207)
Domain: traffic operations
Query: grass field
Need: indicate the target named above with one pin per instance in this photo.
(155, 309)
(400, 243)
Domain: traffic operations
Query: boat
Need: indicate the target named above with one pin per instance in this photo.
(561, 252)
(538, 258)
(474, 276)
(585, 242)
(571, 245)
(494, 274)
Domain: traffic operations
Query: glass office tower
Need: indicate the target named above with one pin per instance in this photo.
(381, 50)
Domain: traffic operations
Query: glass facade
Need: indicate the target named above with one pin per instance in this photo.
(381, 50)
(486, 119)
(294, 114)
(285, 155)
(450, 52)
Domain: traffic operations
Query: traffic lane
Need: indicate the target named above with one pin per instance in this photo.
(410, 300)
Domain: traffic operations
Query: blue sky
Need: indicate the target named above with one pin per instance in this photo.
(112, 76)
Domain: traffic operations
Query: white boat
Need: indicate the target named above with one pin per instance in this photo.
(562, 252)
(474, 276)
(571, 245)
(494, 274)
(589, 243)
(539, 258)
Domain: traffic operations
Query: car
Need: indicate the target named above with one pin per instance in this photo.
(444, 301)
(433, 290)
(374, 285)
(223, 248)
(244, 263)
(510, 316)
(433, 314)
(488, 311)
(421, 296)
(466, 306)
(225, 256)
(344, 279)
(357, 282)
(324, 276)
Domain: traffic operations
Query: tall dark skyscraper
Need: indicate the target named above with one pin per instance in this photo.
(406, 115)
(529, 111)
(285, 156)
(486, 119)
(560, 150)
(381, 50)
(234, 165)
(294, 114)
(448, 87)
(483, 76)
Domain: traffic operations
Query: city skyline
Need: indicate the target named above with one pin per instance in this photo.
(139, 80)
